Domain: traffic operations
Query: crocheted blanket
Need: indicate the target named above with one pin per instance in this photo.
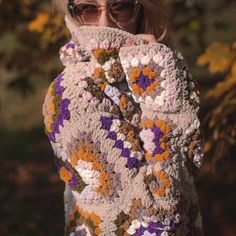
(122, 119)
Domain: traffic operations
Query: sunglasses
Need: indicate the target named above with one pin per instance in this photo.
(119, 11)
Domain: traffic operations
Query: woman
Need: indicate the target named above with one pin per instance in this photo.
(122, 119)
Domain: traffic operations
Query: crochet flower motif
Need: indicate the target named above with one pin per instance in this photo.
(143, 80)
(103, 55)
(113, 126)
(110, 69)
(70, 176)
(71, 54)
(152, 228)
(155, 134)
(57, 107)
(88, 220)
(94, 170)
(101, 82)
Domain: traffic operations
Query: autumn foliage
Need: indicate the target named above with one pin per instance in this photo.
(221, 119)
(31, 35)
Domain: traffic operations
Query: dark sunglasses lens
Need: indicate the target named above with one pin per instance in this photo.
(122, 10)
(87, 12)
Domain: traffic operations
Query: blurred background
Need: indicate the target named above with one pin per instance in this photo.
(31, 34)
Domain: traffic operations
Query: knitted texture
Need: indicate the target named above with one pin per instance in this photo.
(122, 119)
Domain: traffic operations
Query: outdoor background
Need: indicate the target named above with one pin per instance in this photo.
(31, 34)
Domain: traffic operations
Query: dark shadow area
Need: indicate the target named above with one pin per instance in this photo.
(31, 192)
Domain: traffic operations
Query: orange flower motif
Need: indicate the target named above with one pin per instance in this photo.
(65, 175)
(142, 125)
(158, 158)
(135, 72)
(161, 192)
(74, 159)
(166, 155)
(96, 53)
(132, 79)
(148, 155)
(102, 86)
(149, 124)
(103, 178)
(163, 145)
(145, 71)
(85, 214)
(152, 87)
(98, 231)
(168, 183)
(130, 135)
(123, 104)
(52, 106)
(96, 165)
(85, 155)
(97, 72)
(152, 74)
(163, 176)
(106, 183)
(149, 73)
(137, 89)
(165, 128)
(163, 156)
(95, 218)
(50, 111)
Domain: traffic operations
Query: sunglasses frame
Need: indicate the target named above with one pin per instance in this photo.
(71, 6)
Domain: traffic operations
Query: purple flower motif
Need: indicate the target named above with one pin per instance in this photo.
(59, 88)
(157, 132)
(132, 162)
(158, 150)
(125, 152)
(143, 81)
(52, 137)
(155, 228)
(140, 231)
(64, 103)
(112, 135)
(64, 113)
(59, 120)
(70, 45)
(106, 122)
(64, 109)
(156, 141)
(119, 144)
(59, 78)
(69, 169)
(158, 135)
(55, 127)
(74, 181)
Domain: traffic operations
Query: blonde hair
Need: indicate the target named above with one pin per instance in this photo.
(154, 20)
